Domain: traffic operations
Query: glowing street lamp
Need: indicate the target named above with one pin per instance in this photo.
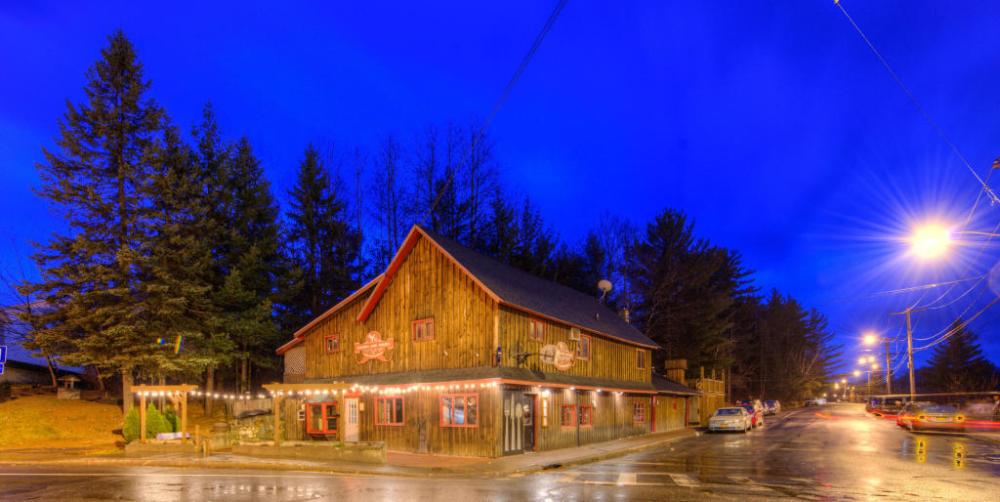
(870, 338)
(857, 373)
(843, 380)
(930, 241)
(863, 360)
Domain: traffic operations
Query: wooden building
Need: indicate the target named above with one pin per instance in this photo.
(452, 352)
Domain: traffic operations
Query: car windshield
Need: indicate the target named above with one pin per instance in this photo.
(748, 408)
(727, 411)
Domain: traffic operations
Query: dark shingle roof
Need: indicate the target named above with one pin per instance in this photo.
(665, 386)
(521, 289)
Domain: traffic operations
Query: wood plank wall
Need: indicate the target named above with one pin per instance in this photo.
(669, 413)
(612, 418)
(426, 285)
(608, 358)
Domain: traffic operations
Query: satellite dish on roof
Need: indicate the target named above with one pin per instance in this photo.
(604, 285)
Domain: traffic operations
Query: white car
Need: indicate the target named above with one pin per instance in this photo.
(733, 418)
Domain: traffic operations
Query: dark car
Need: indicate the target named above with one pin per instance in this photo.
(931, 417)
(772, 407)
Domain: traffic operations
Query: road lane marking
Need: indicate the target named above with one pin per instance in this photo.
(569, 477)
(749, 483)
(683, 480)
(627, 479)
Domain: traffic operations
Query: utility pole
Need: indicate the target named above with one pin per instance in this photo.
(909, 351)
(909, 355)
(888, 369)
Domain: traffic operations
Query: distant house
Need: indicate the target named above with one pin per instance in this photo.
(24, 367)
(449, 351)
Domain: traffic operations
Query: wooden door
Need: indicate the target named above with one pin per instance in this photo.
(518, 421)
(351, 420)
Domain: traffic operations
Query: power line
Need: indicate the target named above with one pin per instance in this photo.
(959, 327)
(478, 134)
(920, 108)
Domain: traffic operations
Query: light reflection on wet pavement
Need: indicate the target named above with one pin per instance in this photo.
(832, 453)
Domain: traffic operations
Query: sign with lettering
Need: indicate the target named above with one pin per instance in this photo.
(558, 355)
(374, 347)
(3, 357)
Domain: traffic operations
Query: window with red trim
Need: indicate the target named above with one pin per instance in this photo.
(583, 347)
(586, 415)
(389, 411)
(423, 329)
(536, 329)
(321, 418)
(332, 343)
(639, 413)
(640, 359)
(568, 415)
(460, 410)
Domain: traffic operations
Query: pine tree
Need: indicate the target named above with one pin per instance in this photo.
(324, 247)
(957, 364)
(250, 263)
(177, 271)
(89, 273)
(391, 201)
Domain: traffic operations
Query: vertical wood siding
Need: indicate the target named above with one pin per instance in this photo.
(612, 418)
(669, 413)
(608, 358)
(426, 285)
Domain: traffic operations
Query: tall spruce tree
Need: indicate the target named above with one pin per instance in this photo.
(324, 246)
(251, 263)
(95, 176)
(177, 270)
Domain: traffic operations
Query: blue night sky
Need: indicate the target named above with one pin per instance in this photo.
(770, 123)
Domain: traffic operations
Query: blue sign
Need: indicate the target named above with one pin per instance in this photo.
(3, 354)
(1, 368)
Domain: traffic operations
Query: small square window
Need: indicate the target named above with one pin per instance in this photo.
(586, 415)
(639, 413)
(332, 343)
(568, 415)
(536, 329)
(423, 329)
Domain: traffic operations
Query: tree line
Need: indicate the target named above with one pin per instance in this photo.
(177, 263)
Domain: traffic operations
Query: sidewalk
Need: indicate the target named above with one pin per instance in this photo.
(399, 464)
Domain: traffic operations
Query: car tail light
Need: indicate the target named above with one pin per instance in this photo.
(921, 417)
(959, 418)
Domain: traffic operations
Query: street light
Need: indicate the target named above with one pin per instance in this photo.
(870, 339)
(857, 373)
(930, 241)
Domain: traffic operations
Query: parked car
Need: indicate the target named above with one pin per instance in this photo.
(817, 401)
(756, 414)
(772, 407)
(733, 418)
(932, 417)
(908, 410)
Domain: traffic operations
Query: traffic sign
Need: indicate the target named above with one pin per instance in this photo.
(3, 354)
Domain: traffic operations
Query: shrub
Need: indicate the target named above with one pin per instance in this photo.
(155, 423)
(171, 418)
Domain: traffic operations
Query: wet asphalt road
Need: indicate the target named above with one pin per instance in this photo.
(829, 453)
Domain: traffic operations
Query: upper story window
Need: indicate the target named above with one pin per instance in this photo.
(423, 329)
(583, 347)
(536, 329)
(640, 359)
(332, 343)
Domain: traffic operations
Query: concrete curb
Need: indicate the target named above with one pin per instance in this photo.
(482, 470)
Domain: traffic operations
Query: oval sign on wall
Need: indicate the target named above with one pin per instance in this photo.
(374, 347)
(558, 355)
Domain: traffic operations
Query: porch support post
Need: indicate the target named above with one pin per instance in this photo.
(277, 419)
(142, 417)
(184, 416)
